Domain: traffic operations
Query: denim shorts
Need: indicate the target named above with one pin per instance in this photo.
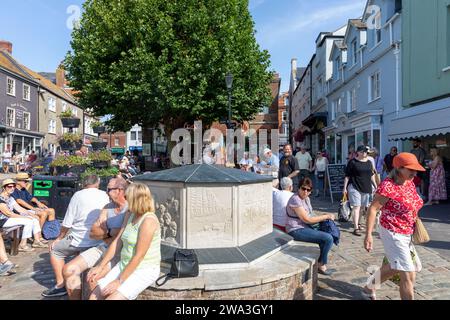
(356, 198)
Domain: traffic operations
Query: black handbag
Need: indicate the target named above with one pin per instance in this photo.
(184, 265)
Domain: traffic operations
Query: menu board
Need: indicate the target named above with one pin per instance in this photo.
(336, 176)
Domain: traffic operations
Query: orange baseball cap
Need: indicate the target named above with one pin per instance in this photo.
(407, 160)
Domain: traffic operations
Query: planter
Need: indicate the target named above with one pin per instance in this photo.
(99, 145)
(78, 169)
(70, 122)
(60, 170)
(97, 130)
(78, 144)
(100, 164)
(66, 145)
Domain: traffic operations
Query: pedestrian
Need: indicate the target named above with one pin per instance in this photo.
(272, 161)
(378, 162)
(289, 167)
(8, 217)
(351, 153)
(420, 154)
(280, 199)
(304, 163)
(399, 203)
(246, 163)
(106, 227)
(83, 210)
(437, 189)
(302, 224)
(387, 165)
(257, 165)
(358, 182)
(140, 250)
(6, 161)
(319, 169)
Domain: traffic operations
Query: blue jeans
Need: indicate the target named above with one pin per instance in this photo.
(323, 239)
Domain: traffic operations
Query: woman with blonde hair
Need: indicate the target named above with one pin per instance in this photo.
(437, 190)
(140, 250)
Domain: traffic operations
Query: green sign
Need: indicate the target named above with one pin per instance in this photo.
(41, 193)
(117, 150)
(43, 184)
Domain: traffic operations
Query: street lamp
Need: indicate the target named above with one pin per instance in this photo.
(229, 83)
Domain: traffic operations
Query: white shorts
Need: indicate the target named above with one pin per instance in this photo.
(137, 282)
(400, 251)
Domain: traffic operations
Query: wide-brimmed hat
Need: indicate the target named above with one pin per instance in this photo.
(7, 181)
(23, 176)
(407, 160)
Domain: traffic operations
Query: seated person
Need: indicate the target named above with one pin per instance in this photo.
(5, 264)
(301, 223)
(246, 163)
(105, 228)
(26, 200)
(8, 218)
(280, 201)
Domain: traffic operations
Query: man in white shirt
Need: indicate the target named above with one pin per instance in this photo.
(246, 163)
(304, 163)
(84, 209)
(279, 202)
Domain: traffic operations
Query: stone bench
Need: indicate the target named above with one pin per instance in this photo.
(16, 233)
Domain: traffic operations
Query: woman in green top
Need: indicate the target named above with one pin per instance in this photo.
(139, 243)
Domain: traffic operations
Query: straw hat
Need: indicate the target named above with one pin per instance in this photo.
(23, 176)
(7, 181)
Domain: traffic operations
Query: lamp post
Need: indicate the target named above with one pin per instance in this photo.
(229, 83)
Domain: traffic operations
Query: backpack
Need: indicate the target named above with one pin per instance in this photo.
(51, 229)
(184, 265)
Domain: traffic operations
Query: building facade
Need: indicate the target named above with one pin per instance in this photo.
(134, 139)
(18, 105)
(283, 122)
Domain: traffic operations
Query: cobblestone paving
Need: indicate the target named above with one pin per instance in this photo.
(351, 261)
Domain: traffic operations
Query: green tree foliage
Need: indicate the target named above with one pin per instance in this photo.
(158, 61)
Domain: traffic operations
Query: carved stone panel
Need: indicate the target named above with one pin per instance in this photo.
(167, 205)
(255, 212)
(209, 217)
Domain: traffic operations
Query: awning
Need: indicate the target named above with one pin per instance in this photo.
(316, 121)
(425, 124)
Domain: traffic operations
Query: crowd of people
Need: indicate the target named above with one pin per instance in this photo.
(16, 162)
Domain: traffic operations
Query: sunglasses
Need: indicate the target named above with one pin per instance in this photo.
(306, 189)
(111, 189)
(10, 186)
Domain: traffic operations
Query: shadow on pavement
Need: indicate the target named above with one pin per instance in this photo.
(434, 244)
(336, 289)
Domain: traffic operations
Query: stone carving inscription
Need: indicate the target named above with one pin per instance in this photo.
(167, 205)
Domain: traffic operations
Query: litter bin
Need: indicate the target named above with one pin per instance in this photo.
(56, 192)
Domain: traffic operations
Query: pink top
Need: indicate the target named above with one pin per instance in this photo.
(399, 213)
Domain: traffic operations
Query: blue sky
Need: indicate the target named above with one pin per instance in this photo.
(286, 28)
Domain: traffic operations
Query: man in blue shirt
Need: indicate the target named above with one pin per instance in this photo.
(272, 160)
(27, 201)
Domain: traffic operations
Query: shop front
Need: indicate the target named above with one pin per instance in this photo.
(315, 137)
(23, 142)
(349, 131)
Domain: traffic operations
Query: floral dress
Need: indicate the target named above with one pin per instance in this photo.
(437, 190)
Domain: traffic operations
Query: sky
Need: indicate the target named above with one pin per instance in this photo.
(41, 37)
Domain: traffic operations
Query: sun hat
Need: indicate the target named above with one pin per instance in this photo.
(407, 160)
(7, 181)
(23, 176)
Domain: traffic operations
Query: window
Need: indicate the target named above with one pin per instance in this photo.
(26, 92)
(284, 116)
(10, 117)
(354, 53)
(264, 110)
(75, 112)
(51, 103)
(286, 101)
(26, 120)
(377, 29)
(338, 104)
(374, 87)
(11, 86)
(116, 142)
(333, 110)
(52, 126)
(284, 129)
(133, 135)
(336, 68)
(351, 101)
(140, 135)
(64, 106)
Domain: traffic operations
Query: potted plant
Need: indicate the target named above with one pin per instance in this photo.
(98, 145)
(104, 174)
(100, 159)
(74, 164)
(98, 127)
(70, 141)
(68, 119)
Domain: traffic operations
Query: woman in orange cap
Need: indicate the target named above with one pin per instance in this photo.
(399, 203)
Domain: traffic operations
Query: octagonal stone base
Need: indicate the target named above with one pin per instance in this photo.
(289, 274)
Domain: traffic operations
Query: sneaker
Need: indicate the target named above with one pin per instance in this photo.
(9, 262)
(55, 292)
(5, 269)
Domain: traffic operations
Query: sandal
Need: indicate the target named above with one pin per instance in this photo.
(38, 244)
(26, 249)
(357, 233)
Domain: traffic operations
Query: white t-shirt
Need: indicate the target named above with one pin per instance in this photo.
(84, 209)
(303, 160)
(280, 199)
(244, 161)
(321, 165)
(7, 157)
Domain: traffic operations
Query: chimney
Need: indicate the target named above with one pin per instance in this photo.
(61, 77)
(294, 72)
(6, 46)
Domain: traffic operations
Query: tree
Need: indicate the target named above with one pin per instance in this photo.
(152, 62)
